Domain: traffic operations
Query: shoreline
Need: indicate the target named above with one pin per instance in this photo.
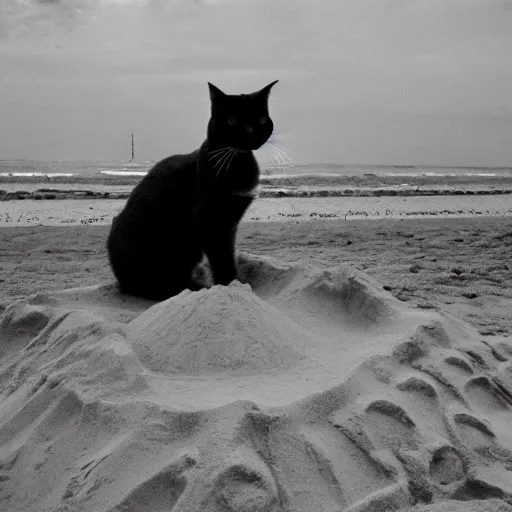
(49, 194)
(366, 194)
(305, 185)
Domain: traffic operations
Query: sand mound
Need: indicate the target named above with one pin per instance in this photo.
(309, 390)
(223, 329)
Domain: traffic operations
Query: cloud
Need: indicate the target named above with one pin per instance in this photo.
(36, 17)
(382, 75)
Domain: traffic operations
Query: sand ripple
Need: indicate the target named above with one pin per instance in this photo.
(308, 390)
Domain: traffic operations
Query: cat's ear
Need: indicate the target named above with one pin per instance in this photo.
(215, 93)
(266, 90)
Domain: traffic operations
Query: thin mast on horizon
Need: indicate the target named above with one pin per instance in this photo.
(133, 149)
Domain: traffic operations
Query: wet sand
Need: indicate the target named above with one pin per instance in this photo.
(101, 211)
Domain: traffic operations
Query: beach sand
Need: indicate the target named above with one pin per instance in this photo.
(364, 366)
(461, 265)
(68, 212)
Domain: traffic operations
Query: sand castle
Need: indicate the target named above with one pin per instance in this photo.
(301, 390)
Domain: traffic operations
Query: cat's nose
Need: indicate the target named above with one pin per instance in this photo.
(249, 130)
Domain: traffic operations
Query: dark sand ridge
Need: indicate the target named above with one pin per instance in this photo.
(360, 179)
(364, 185)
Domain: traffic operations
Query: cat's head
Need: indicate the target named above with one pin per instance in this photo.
(240, 121)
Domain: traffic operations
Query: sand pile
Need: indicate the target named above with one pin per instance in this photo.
(223, 329)
(303, 390)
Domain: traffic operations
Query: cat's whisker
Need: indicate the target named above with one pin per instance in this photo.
(222, 161)
(275, 151)
(217, 151)
(282, 159)
(287, 158)
(274, 148)
(224, 157)
(226, 164)
(219, 164)
(219, 154)
(285, 151)
(233, 156)
(279, 146)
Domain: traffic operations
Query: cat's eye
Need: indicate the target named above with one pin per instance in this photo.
(231, 121)
(263, 119)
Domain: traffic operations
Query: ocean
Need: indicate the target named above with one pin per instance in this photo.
(92, 192)
(94, 170)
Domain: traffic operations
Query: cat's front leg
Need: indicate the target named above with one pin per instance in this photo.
(219, 247)
(218, 226)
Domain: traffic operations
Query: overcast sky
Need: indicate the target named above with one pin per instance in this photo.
(369, 81)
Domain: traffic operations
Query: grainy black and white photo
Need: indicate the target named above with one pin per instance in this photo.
(255, 256)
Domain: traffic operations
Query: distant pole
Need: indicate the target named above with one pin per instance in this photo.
(133, 149)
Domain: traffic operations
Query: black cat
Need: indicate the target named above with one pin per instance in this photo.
(190, 205)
